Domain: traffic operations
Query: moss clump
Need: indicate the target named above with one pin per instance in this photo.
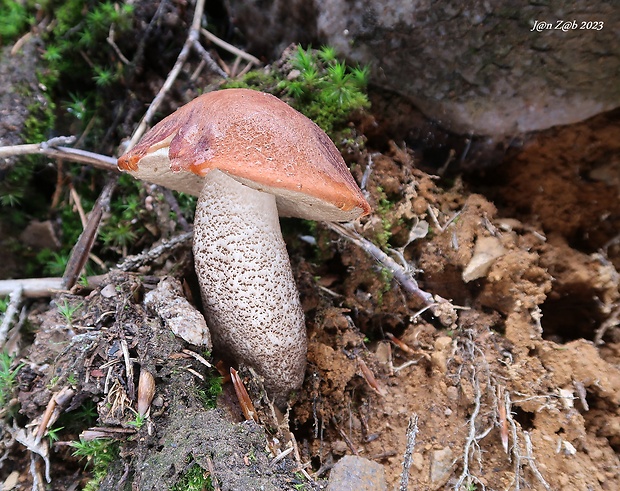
(14, 17)
(315, 83)
(195, 479)
(99, 454)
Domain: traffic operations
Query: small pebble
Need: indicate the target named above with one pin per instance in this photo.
(357, 474)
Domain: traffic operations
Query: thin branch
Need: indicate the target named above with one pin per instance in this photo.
(531, 461)
(15, 300)
(131, 263)
(412, 431)
(471, 437)
(51, 148)
(403, 277)
(192, 37)
(229, 47)
(111, 42)
(32, 287)
(206, 58)
(81, 249)
(47, 287)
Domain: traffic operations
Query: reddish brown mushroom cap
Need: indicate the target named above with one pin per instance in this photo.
(258, 140)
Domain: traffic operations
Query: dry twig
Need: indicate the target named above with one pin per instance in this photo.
(229, 47)
(190, 42)
(403, 277)
(53, 148)
(15, 299)
(412, 432)
(532, 462)
(131, 263)
(244, 398)
(81, 249)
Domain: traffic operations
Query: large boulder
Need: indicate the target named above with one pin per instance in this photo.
(487, 68)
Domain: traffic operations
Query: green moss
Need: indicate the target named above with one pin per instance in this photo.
(15, 19)
(8, 377)
(99, 454)
(319, 86)
(383, 209)
(195, 479)
(209, 394)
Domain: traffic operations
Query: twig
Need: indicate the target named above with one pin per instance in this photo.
(412, 432)
(198, 357)
(367, 172)
(81, 250)
(192, 37)
(37, 483)
(211, 468)
(503, 409)
(206, 57)
(281, 456)
(441, 229)
(403, 277)
(247, 407)
(345, 437)
(40, 287)
(471, 437)
(531, 461)
(15, 300)
(229, 47)
(516, 452)
(369, 377)
(78, 204)
(174, 206)
(131, 388)
(132, 262)
(111, 42)
(52, 148)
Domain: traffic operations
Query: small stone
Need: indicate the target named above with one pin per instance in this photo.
(486, 251)
(441, 466)
(452, 393)
(177, 313)
(357, 474)
(417, 461)
(108, 291)
(339, 447)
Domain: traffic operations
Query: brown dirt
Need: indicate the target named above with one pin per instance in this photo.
(536, 338)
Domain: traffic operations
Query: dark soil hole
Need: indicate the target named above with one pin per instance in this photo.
(524, 418)
(598, 419)
(570, 317)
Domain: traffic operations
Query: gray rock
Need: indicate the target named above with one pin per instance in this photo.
(357, 474)
(441, 466)
(477, 67)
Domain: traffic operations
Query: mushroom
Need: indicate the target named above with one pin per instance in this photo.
(249, 157)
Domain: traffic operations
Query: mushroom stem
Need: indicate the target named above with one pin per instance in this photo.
(248, 290)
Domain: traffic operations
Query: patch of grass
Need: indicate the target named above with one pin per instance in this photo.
(72, 379)
(138, 421)
(80, 74)
(99, 454)
(52, 383)
(87, 413)
(52, 434)
(8, 377)
(67, 310)
(195, 479)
